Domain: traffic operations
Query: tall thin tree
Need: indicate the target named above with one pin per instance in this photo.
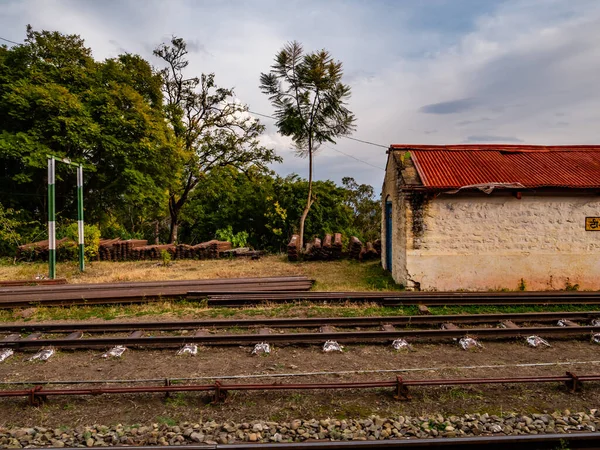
(310, 103)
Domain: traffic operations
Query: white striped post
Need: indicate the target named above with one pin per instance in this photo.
(80, 217)
(51, 220)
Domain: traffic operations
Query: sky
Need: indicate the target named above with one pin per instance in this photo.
(421, 72)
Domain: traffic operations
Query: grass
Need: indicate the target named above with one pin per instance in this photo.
(329, 276)
(344, 275)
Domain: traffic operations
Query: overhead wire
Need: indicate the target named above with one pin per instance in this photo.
(8, 40)
(336, 150)
(274, 118)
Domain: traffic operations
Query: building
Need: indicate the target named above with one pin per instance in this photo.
(492, 217)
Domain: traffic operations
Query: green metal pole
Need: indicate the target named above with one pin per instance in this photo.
(80, 217)
(51, 221)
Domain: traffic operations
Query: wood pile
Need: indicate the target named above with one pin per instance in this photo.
(292, 248)
(119, 250)
(151, 252)
(377, 246)
(354, 248)
(211, 249)
(39, 250)
(331, 248)
(368, 253)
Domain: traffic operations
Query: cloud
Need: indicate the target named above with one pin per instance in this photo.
(502, 71)
(474, 121)
(450, 107)
(488, 138)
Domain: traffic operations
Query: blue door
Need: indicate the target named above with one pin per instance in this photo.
(388, 235)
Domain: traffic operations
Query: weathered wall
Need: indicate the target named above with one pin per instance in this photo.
(391, 183)
(478, 241)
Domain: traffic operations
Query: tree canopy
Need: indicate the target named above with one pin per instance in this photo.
(159, 148)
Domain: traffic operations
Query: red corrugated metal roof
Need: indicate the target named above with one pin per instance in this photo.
(455, 166)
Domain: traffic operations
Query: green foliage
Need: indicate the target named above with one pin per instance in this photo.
(268, 208)
(165, 257)
(310, 104)
(70, 250)
(571, 287)
(239, 239)
(56, 99)
(522, 285)
(212, 128)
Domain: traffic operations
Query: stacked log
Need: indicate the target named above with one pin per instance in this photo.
(377, 246)
(211, 249)
(368, 253)
(336, 250)
(39, 250)
(292, 248)
(105, 249)
(354, 248)
(313, 250)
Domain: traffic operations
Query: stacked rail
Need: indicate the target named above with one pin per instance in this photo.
(137, 292)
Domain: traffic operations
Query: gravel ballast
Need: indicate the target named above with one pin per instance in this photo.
(374, 428)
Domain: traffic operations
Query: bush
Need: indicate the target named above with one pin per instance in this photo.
(237, 240)
(91, 237)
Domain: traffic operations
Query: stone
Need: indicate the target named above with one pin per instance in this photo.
(197, 437)
(89, 442)
(253, 437)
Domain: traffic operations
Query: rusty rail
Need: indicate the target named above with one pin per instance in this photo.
(573, 441)
(138, 292)
(44, 282)
(311, 322)
(38, 394)
(248, 298)
(383, 336)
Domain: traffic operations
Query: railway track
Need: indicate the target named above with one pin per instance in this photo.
(400, 386)
(392, 299)
(573, 441)
(380, 330)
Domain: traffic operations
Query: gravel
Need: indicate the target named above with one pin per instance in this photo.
(373, 428)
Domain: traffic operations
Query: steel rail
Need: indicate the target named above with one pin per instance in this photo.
(159, 283)
(571, 380)
(574, 441)
(241, 299)
(300, 338)
(311, 322)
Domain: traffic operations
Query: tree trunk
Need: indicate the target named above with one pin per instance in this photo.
(173, 233)
(156, 232)
(174, 208)
(309, 200)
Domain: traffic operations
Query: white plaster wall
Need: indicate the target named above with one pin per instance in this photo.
(481, 242)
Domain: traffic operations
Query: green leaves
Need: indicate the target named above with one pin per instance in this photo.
(55, 99)
(213, 129)
(309, 97)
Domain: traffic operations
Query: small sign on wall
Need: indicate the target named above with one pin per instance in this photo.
(592, 224)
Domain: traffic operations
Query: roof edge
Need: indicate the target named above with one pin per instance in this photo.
(494, 147)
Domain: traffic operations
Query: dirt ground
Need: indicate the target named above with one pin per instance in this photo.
(426, 361)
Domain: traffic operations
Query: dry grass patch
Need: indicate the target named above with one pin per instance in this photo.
(329, 276)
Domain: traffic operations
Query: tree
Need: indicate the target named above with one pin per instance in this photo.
(56, 99)
(366, 222)
(310, 103)
(212, 128)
